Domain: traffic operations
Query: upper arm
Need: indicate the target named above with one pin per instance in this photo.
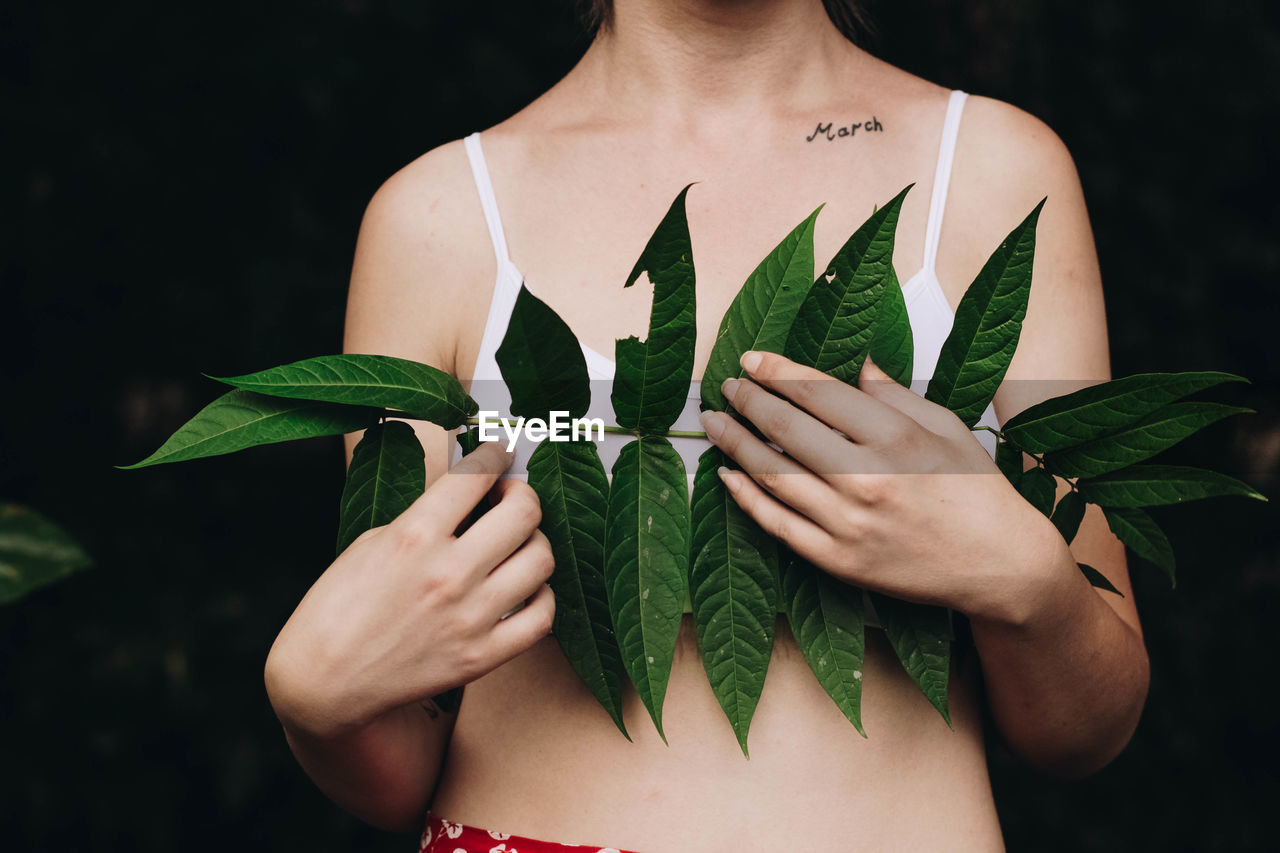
(1006, 162)
(421, 242)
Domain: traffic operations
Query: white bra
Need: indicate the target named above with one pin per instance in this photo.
(927, 307)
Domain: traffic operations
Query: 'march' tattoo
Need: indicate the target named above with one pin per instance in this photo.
(826, 129)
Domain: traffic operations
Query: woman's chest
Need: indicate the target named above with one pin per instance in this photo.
(576, 223)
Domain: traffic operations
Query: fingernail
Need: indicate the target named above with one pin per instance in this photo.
(712, 423)
(729, 388)
(723, 472)
(750, 361)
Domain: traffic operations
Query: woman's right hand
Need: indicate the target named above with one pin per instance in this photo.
(410, 609)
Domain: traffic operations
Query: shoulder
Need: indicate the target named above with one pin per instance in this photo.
(422, 241)
(438, 181)
(1007, 161)
(1011, 129)
(428, 210)
(1009, 151)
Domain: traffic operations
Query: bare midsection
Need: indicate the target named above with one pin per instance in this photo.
(534, 754)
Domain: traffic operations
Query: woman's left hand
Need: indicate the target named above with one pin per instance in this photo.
(883, 489)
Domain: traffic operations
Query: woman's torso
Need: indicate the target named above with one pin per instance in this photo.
(532, 752)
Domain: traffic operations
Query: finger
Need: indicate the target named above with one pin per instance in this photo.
(450, 498)
(878, 384)
(858, 415)
(526, 626)
(785, 478)
(519, 576)
(781, 522)
(815, 444)
(501, 530)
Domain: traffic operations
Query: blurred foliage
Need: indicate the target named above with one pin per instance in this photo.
(34, 552)
(180, 178)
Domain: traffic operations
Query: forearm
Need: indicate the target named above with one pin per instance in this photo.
(384, 772)
(1066, 676)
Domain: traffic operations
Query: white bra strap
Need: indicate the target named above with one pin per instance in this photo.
(484, 185)
(942, 177)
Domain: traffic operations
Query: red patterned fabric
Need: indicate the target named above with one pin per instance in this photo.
(445, 836)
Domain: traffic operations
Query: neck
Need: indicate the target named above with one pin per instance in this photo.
(684, 59)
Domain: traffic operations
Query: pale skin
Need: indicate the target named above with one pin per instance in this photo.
(725, 94)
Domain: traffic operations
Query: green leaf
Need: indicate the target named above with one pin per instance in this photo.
(1108, 407)
(921, 637)
(571, 484)
(988, 321)
(733, 586)
(1098, 579)
(1155, 485)
(762, 312)
(240, 419)
(892, 346)
(1009, 461)
(387, 473)
(33, 552)
(647, 532)
(827, 619)
(1068, 514)
(835, 323)
(652, 377)
(1144, 537)
(542, 362)
(545, 370)
(1039, 488)
(469, 439)
(419, 390)
(1140, 440)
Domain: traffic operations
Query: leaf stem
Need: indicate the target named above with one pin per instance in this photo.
(1038, 457)
(998, 434)
(671, 433)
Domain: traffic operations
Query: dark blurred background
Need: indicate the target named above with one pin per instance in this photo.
(181, 192)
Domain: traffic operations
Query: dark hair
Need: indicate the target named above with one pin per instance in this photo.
(848, 16)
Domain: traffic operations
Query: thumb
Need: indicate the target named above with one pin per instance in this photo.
(874, 381)
(871, 372)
